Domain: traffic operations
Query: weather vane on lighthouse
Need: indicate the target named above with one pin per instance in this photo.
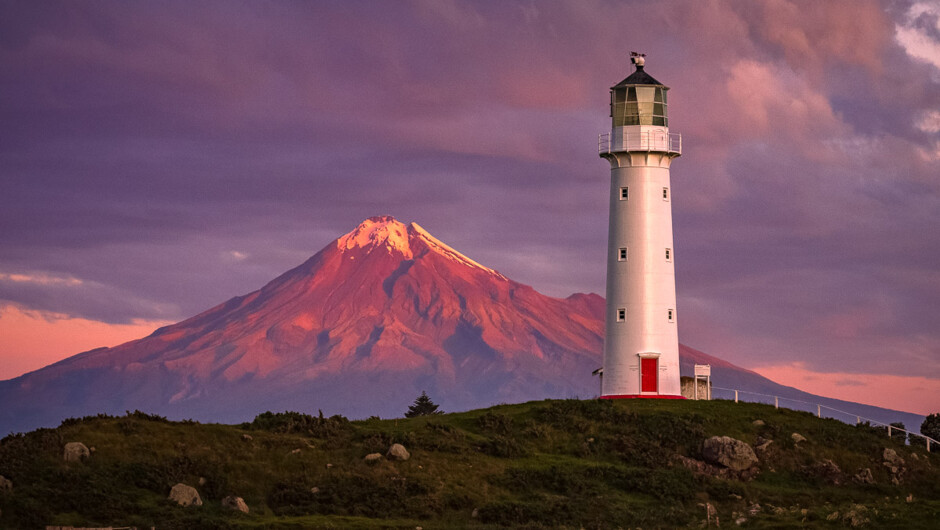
(641, 346)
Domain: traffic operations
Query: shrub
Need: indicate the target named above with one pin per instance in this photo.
(495, 423)
(299, 423)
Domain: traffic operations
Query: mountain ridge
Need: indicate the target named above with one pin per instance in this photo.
(359, 328)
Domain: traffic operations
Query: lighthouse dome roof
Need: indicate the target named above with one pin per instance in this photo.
(639, 77)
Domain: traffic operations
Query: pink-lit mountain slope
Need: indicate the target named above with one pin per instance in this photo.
(360, 329)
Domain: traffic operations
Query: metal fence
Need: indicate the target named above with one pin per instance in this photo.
(807, 406)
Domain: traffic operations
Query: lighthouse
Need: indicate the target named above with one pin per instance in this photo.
(641, 345)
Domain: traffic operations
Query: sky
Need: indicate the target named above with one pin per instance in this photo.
(158, 158)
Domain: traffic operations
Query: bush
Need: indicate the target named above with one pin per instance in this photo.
(299, 423)
(495, 423)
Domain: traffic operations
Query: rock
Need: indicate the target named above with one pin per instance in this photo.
(328, 466)
(864, 476)
(895, 465)
(827, 470)
(202, 481)
(295, 452)
(235, 503)
(729, 452)
(891, 458)
(475, 513)
(740, 521)
(247, 437)
(832, 516)
(373, 457)
(5, 484)
(314, 490)
(185, 495)
(701, 468)
(92, 450)
(797, 438)
(398, 452)
(758, 423)
(854, 516)
(735, 496)
(753, 509)
(75, 452)
(761, 445)
(910, 497)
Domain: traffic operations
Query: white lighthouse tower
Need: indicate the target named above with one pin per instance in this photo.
(641, 348)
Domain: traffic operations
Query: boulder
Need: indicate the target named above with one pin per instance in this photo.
(891, 458)
(797, 438)
(373, 457)
(758, 423)
(247, 437)
(75, 452)
(5, 484)
(895, 465)
(235, 503)
(185, 495)
(729, 452)
(398, 452)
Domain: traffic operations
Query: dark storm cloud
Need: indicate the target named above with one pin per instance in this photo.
(174, 154)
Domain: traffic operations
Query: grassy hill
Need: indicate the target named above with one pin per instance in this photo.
(562, 463)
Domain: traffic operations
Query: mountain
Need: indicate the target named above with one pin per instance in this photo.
(359, 329)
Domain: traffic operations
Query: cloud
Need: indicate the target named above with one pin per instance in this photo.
(148, 147)
(918, 32)
(908, 393)
(62, 336)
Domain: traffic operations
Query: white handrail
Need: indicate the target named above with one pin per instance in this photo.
(858, 419)
(656, 141)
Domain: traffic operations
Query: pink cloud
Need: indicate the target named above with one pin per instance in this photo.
(61, 337)
(916, 394)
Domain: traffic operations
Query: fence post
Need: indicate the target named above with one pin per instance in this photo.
(928, 445)
(819, 413)
(858, 419)
(776, 402)
(889, 431)
(735, 396)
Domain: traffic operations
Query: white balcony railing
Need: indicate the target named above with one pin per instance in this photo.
(640, 141)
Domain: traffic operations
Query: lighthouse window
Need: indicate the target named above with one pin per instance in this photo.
(668, 254)
(621, 314)
(672, 315)
(623, 193)
(639, 105)
(622, 255)
(665, 194)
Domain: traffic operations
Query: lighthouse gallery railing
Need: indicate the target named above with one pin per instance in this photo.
(640, 141)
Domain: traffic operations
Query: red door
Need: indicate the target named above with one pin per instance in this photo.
(649, 377)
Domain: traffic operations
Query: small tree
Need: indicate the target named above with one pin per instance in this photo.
(896, 434)
(931, 427)
(423, 406)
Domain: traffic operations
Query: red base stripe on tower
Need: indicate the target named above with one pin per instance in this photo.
(642, 396)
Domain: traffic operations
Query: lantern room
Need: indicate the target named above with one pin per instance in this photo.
(639, 99)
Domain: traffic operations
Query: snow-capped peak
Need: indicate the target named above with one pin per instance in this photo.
(376, 231)
(442, 248)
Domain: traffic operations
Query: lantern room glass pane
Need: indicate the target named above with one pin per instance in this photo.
(645, 93)
(659, 95)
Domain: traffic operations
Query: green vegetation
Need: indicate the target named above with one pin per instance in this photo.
(548, 464)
